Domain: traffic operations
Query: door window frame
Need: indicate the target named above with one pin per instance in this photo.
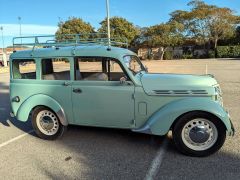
(12, 61)
(76, 67)
(58, 57)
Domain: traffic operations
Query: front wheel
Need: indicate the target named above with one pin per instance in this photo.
(199, 134)
(46, 123)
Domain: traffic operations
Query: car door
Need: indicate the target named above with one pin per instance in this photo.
(56, 82)
(98, 96)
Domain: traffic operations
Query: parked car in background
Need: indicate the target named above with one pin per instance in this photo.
(1, 63)
(92, 84)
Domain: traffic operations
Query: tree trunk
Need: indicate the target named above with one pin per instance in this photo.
(162, 49)
(208, 47)
(215, 46)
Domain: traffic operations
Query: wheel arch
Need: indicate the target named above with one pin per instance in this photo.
(197, 111)
(41, 100)
(164, 118)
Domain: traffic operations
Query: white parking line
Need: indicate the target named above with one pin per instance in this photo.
(156, 163)
(15, 139)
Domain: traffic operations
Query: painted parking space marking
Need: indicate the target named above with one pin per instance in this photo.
(157, 161)
(16, 138)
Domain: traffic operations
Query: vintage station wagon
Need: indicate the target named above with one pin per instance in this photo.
(93, 84)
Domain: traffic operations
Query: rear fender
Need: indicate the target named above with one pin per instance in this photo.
(40, 100)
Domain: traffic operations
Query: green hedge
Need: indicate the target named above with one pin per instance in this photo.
(228, 51)
(168, 55)
(211, 54)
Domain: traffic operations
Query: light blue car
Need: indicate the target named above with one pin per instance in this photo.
(92, 84)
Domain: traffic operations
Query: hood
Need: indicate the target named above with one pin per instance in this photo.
(178, 84)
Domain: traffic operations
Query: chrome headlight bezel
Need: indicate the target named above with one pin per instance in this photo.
(218, 95)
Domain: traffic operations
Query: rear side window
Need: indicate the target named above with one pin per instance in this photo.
(55, 69)
(24, 69)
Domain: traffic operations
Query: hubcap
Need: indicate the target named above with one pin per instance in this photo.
(47, 122)
(199, 134)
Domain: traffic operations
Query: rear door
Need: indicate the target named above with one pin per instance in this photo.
(56, 82)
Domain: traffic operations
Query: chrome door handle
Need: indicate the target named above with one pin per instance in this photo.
(77, 90)
(66, 84)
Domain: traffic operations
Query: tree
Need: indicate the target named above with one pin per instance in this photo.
(73, 26)
(206, 23)
(237, 35)
(222, 24)
(120, 29)
(164, 36)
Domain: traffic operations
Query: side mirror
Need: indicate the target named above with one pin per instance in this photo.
(123, 80)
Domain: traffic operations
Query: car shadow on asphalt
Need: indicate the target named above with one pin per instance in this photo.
(108, 153)
(221, 165)
(122, 154)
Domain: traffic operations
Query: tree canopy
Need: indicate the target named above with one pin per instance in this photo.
(203, 24)
(120, 29)
(206, 23)
(73, 26)
(164, 35)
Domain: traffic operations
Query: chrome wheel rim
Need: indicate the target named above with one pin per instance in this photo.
(47, 122)
(199, 134)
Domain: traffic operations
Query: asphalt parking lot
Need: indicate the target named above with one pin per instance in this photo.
(97, 153)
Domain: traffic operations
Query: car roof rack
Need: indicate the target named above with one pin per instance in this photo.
(47, 41)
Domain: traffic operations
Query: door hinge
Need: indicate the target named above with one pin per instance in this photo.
(133, 122)
(133, 96)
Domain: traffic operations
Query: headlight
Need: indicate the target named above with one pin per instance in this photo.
(218, 95)
(218, 90)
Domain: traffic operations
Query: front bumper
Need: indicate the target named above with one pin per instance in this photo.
(232, 132)
(230, 129)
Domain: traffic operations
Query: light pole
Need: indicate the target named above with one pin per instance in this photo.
(1, 28)
(20, 27)
(4, 55)
(108, 24)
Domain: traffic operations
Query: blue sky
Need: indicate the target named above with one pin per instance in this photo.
(41, 17)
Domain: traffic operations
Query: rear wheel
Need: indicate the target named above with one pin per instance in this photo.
(46, 123)
(199, 134)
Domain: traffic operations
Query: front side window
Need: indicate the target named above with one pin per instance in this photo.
(134, 64)
(55, 69)
(24, 69)
(98, 69)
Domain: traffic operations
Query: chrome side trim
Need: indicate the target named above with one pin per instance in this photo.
(181, 92)
(146, 130)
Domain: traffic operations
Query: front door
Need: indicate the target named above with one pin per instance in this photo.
(98, 96)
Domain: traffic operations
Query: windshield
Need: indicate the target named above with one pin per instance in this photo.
(134, 64)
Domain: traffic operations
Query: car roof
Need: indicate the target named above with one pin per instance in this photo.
(69, 51)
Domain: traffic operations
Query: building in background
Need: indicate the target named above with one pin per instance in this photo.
(4, 56)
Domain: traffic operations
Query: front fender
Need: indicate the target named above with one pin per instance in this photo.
(161, 121)
(41, 100)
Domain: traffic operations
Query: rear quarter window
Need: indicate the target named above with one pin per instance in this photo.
(24, 69)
